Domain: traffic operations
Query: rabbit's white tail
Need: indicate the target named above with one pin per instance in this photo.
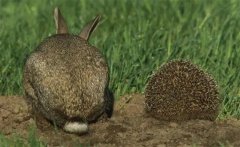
(76, 127)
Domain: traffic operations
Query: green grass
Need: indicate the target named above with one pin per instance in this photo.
(135, 36)
(17, 140)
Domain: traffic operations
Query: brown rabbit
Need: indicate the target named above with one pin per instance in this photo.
(66, 79)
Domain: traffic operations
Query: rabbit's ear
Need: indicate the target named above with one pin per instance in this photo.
(89, 28)
(61, 26)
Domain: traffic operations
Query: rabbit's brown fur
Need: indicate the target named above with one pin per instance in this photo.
(66, 79)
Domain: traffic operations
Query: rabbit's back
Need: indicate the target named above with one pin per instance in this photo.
(69, 76)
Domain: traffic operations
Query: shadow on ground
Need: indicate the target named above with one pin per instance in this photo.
(129, 126)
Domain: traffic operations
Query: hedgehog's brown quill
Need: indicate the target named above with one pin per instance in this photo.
(180, 90)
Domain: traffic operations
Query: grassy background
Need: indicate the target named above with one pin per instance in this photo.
(135, 36)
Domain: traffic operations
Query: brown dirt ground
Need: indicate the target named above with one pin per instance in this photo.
(129, 126)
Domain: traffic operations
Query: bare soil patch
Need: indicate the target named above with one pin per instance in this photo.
(129, 126)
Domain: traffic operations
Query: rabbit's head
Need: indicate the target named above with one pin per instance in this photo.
(61, 26)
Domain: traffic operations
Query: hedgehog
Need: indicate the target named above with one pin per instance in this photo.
(180, 91)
